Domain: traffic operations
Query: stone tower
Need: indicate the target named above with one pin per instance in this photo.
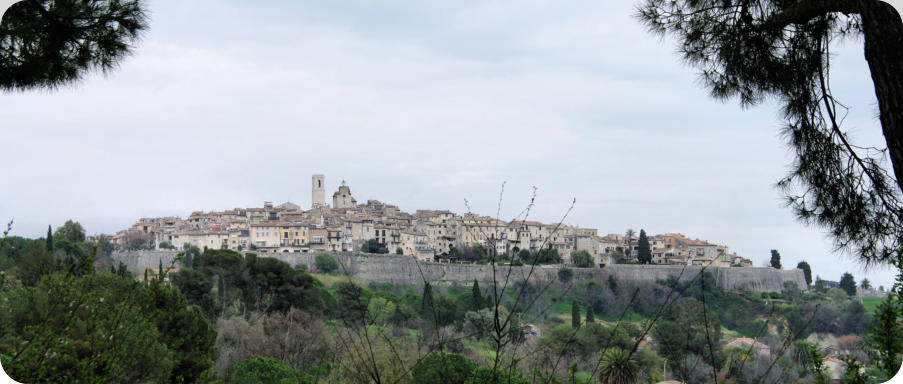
(318, 192)
(342, 198)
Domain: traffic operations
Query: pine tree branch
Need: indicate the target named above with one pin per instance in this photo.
(802, 12)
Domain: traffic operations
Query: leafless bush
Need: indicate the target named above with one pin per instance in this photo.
(295, 337)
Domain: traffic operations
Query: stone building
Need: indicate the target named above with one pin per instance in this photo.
(342, 198)
(346, 225)
(317, 191)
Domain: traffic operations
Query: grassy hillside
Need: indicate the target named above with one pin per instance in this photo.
(870, 303)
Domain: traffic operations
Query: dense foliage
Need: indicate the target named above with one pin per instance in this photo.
(374, 246)
(268, 321)
(442, 368)
(326, 263)
(259, 369)
(102, 328)
(582, 259)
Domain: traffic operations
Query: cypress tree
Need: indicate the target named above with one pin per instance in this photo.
(477, 296)
(590, 316)
(643, 252)
(575, 314)
(186, 259)
(160, 269)
(145, 276)
(848, 283)
(49, 239)
(775, 261)
(123, 271)
(196, 261)
(807, 271)
(426, 305)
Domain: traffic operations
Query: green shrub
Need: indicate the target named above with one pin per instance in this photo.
(582, 259)
(442, 368)
(259, 369)
(326, 263)
(565, 275)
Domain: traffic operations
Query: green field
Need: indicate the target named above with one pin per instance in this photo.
(870, 303)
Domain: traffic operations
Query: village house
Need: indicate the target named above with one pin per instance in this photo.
(426, 234)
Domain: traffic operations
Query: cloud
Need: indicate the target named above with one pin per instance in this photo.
(412, 105)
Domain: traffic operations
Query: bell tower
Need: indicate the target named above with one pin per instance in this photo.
(318, 192)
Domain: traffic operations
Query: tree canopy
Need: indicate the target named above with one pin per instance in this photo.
(807, 271)
(71, 231)
(781, 49)
(145, 332)
(374, 246)
(326, 263)
(848, 283)
(49, 43)
(258, 369)
(775, 261)
(582, 259)
(440, 368)
(565, 275)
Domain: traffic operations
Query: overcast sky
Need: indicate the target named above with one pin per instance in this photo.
(229, 104)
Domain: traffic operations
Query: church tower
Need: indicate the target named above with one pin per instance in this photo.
(342, 198)
(318, 192)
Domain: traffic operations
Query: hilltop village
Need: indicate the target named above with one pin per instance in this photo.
(428, 235)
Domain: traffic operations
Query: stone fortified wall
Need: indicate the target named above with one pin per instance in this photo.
(404, 270)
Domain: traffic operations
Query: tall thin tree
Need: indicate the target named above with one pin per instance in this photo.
(426, 303)
(643, 252)
(477, 296)
(775, 261)
(807, 271)
(575, 314)
(49, 239)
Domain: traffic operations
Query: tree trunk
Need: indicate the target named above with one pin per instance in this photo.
(883, 34)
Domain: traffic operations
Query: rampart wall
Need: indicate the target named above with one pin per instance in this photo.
(405, 270)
